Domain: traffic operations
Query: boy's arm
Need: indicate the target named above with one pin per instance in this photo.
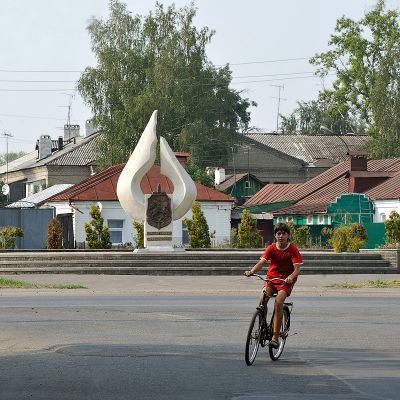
(256, 268)
(294, 274)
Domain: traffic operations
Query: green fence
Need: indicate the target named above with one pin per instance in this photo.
(376, 234)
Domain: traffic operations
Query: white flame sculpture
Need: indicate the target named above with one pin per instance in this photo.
(134, 201)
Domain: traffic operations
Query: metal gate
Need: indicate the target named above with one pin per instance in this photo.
(67, 230)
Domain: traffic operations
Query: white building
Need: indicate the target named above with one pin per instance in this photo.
(75, 203)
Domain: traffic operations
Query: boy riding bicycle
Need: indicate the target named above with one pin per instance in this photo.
(285, 260)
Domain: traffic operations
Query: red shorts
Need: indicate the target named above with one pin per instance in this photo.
(280, 285)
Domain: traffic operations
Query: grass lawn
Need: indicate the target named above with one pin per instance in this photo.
(7, 283)
(379, 283)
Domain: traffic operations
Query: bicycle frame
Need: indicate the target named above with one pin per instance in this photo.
(265, 333)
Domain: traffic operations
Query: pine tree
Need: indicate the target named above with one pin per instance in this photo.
(139, 234)
(199, 236)
(248, 235)
(392, 228)
(97, 234)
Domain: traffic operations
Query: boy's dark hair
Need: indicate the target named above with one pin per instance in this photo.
(281, 226)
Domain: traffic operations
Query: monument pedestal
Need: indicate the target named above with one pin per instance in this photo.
(158, 227)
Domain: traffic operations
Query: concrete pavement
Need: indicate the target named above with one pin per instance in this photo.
(125, 285)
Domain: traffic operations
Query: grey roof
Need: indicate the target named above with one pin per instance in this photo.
(230, 181)
(79, 153)
(309, 148)
(84, 154)
(31, 201)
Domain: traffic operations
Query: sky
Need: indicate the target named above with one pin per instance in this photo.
(44, 46)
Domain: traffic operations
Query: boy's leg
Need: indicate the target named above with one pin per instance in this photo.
(269, 292)
(278, 307)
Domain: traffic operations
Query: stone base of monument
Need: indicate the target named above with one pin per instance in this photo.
(158, 224)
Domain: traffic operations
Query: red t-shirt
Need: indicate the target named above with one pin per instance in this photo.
(282, 261)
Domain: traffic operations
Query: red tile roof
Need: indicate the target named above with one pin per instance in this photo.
(271, 193)
(316, 194)
(102, 187)
(389, 189)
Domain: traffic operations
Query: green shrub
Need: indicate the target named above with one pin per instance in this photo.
(301, 237)
(349, 238)
(54, 234)
(326, 236)
(139, 234)
(248, 234)
(97, 234)
(199, 236)
(392, 228)
(8, 237)
(234, 238)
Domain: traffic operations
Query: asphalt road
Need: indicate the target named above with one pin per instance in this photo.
(127, 340)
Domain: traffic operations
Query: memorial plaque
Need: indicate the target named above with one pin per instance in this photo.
(159, 212)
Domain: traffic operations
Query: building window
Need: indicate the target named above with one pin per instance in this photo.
(321, 219)
(115, 227)
(310, 219)
(383, 217)
(35, 187)
(279, 219)
(247, 185)
(289, 219)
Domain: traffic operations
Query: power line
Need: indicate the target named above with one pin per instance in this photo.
(271, 61)
(37, 71)
(36, 90)
(33, 81)
(230, 63)
(31, 116)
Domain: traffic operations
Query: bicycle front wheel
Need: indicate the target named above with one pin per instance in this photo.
(254, 336)
(276, 353)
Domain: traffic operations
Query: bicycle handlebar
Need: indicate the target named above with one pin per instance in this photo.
(267, 280)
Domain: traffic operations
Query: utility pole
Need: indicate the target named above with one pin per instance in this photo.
(7, 135)
(280, 87)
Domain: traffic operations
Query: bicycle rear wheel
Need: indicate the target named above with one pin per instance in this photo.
(276, 353)
(254, 336)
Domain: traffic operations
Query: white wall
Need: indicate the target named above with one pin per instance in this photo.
(217, 214)
(384, 207)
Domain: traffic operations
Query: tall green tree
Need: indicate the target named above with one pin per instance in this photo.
(384, 133)
(357, 54)
(159, 61)
(315, 117)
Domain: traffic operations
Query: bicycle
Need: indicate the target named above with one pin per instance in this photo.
(260, 331)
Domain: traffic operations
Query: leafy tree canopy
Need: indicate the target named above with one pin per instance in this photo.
(11, 156)
(316, 118)
(159, 61)
(364, 56)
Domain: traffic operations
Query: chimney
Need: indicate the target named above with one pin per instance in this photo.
(60, 143)
(182, 158)
(219, 175)
(70, 132)
(89, 128)
(44, 146)
(358, 160)
(358, 170)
